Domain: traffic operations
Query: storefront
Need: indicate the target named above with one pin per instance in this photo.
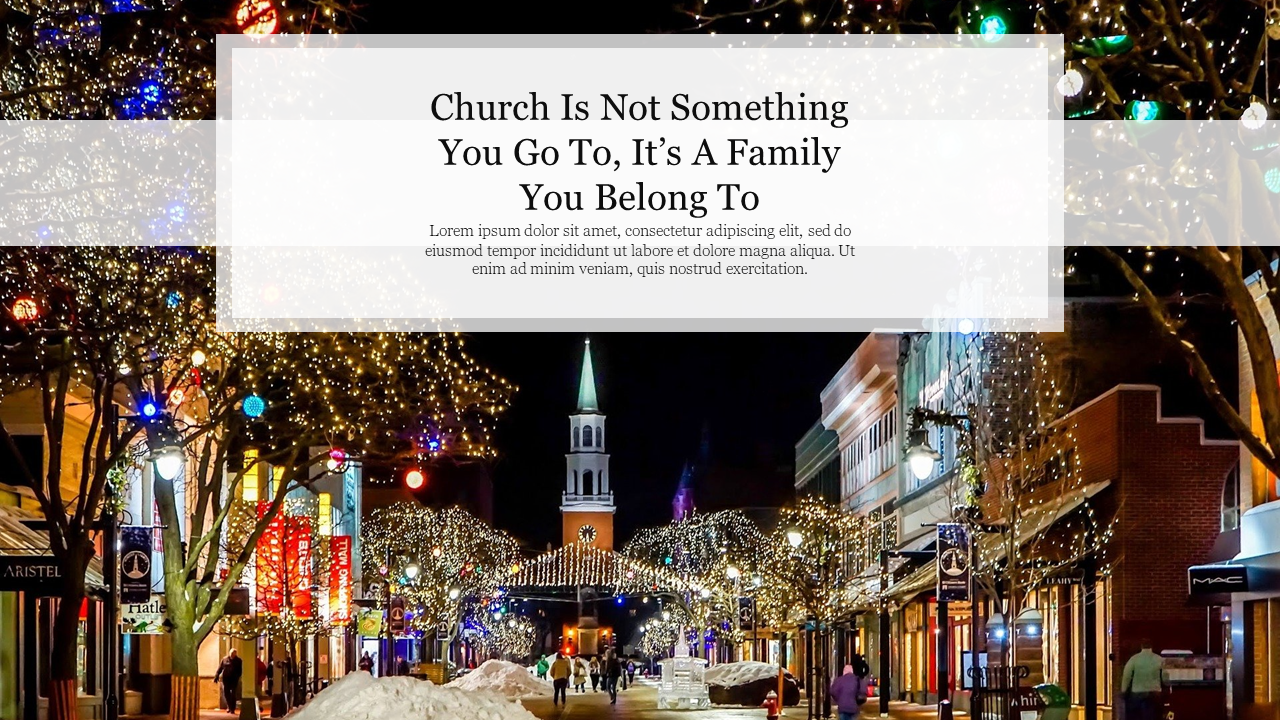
(30, 581)
(1252, 582)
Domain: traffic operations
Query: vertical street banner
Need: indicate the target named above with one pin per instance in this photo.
(369, 623)
(397, 615)
(340, 579)
(298, 565)
(269, 564)
(954, 566)
(135, 564)
(144, 618)
(747, 613)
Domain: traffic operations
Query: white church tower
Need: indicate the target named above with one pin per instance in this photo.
(587, 506)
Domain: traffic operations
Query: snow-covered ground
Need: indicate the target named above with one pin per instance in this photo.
(359, 696)
(504, 678)
(740, 673)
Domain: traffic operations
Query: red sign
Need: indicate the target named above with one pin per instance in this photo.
(340, 579)
(270, 560)
(298, 564)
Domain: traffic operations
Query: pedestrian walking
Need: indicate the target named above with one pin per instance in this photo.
(560, 672)
(1143, 684)
(366, 663)
(261, 677)
(580, 675)
(849, 692)
(229, 672)
(402, 665)
(542, 668)
(594, 670)
(612, 671)
(631, 672)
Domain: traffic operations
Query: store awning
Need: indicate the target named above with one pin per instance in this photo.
(18, 540)
(992, 547)
(1253, 573)
(922, 579)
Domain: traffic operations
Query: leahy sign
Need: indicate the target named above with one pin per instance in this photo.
(39, 574)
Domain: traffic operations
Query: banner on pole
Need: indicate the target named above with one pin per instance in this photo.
(954, 563)
(269, 556)
(340, 579)
(746, 613)
(298, 564)
(135, 564)
(397, 615)
(144, 618)
(370, 623)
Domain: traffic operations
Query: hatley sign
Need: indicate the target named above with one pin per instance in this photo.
(144, 618)
(39, 574)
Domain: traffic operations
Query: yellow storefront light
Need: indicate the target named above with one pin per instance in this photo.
(249, 486)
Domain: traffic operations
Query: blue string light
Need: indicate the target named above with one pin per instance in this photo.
(253, 406)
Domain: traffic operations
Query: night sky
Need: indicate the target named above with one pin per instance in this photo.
(757, 393)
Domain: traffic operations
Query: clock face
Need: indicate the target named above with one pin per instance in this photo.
(586, 533)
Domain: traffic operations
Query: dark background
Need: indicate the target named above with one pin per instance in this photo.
(757, 393)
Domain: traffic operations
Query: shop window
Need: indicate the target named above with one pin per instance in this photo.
(1231, 500)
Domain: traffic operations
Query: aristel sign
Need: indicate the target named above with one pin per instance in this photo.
(39, 574)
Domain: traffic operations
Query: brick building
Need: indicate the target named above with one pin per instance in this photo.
(1166, 489)
(1153, 486)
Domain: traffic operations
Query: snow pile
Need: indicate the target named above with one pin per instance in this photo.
(740, 673)
(504, 678)
(359, 696)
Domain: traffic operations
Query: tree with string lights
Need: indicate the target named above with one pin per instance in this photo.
(448, 565)
(1018, 485)
(715, 554)
(70, 320)
(235, 424)
(1241, 279)
(135, 59)
(1158, 60)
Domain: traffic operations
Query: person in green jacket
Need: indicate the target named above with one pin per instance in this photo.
(542, 668)
(1143, 684)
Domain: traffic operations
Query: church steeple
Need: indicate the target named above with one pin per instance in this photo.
(586, 505)
(587, 386)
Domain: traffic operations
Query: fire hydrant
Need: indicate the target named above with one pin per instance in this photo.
(771, 705)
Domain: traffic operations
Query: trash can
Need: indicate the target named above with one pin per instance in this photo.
(1057, 704)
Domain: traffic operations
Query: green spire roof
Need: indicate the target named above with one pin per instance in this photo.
(587, 388)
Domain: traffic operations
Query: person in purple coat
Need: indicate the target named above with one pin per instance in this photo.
(849, 691)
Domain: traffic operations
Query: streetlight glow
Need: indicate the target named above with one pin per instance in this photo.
(795, 537)
(921, 458)
(168, 462)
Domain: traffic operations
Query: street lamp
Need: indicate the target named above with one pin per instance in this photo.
(921, 458)
(996, 629)
(454, 592)
(795, 537)
(168, 461)
(732, 572)
(411, 571)
(1029, 623)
